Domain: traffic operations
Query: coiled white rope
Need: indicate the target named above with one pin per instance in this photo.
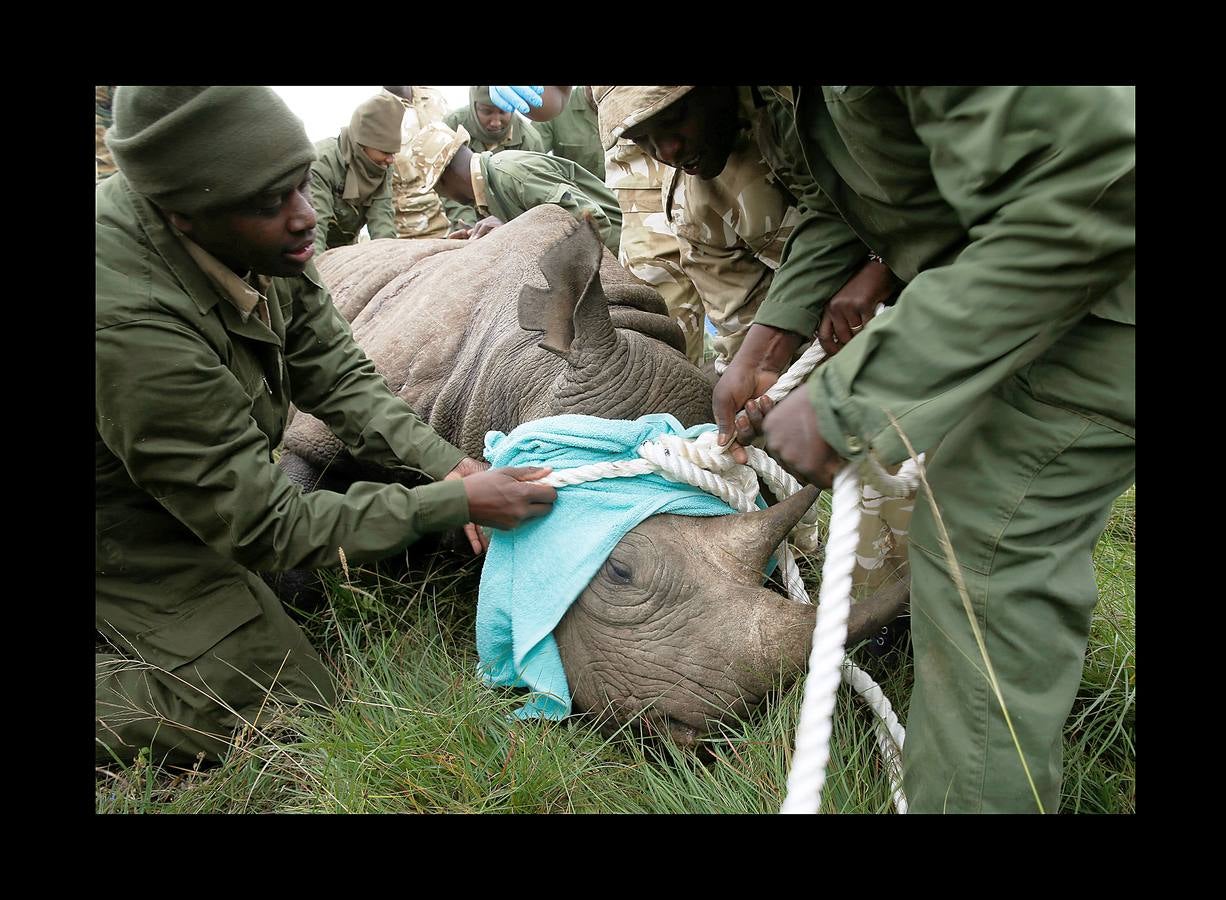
(705, 464)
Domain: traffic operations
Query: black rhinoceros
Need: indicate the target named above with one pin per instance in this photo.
(538, 319)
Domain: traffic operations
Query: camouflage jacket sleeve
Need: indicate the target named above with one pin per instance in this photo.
(728, 277)
(820, 255)
(381, 214)
(1045, 179)
(334, 380)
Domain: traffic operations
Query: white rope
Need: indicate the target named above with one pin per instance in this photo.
(826, 658)
(808, 772)
(890, 733)
(704, 464)
(799, 370)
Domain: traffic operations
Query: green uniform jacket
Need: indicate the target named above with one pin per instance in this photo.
(339, 220)
(190, 401)
(1009, 212)
(516, 181)
(822, 252)
(523, 136)
(574, 134)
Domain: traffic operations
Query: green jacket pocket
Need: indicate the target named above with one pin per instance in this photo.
(208, 618)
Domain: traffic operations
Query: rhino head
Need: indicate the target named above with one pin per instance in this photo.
(677, 631)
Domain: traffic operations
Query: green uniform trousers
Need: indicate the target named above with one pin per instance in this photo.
(1024, 485)
(201, 669)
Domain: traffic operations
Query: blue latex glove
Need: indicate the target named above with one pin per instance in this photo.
(516, 98)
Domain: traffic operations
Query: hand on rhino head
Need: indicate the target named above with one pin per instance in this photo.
(678, 628)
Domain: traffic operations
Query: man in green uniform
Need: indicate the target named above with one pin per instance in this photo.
(491, 129)
(1009, 212)
(351, 178)
(501, 186)
(209, 321)
(575, 134)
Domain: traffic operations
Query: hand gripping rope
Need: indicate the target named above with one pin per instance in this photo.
(706, 465)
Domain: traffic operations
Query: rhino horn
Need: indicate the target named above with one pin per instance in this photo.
(574, 307)
(756, 535)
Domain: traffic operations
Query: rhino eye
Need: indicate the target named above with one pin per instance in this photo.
(618, 571)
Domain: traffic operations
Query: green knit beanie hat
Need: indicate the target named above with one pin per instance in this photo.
(376, 123)
(195, 148)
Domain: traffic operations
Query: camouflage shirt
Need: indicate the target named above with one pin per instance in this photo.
(732, 230)
(516, 181)
(822, 251)
(649, 250)
(419, 212)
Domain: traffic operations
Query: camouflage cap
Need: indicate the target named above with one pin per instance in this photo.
(432, 149)
(620, 107)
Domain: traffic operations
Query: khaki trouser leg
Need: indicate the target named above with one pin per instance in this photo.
(192, 679)
(732, 321)
(1024, 485)
(652, 254)
(881, 553)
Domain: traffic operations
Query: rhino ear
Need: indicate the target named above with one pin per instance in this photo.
(574, 306)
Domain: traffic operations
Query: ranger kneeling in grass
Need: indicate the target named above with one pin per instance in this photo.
(210, 320)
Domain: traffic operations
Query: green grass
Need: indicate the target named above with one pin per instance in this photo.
(417, 732)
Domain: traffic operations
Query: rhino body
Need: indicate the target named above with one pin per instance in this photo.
(538, 319)
(441, 320)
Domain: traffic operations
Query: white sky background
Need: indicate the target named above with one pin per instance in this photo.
(326, 110)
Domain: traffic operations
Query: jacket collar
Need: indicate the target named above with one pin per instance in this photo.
(204, 291)
(237, 290)
(171, 250)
